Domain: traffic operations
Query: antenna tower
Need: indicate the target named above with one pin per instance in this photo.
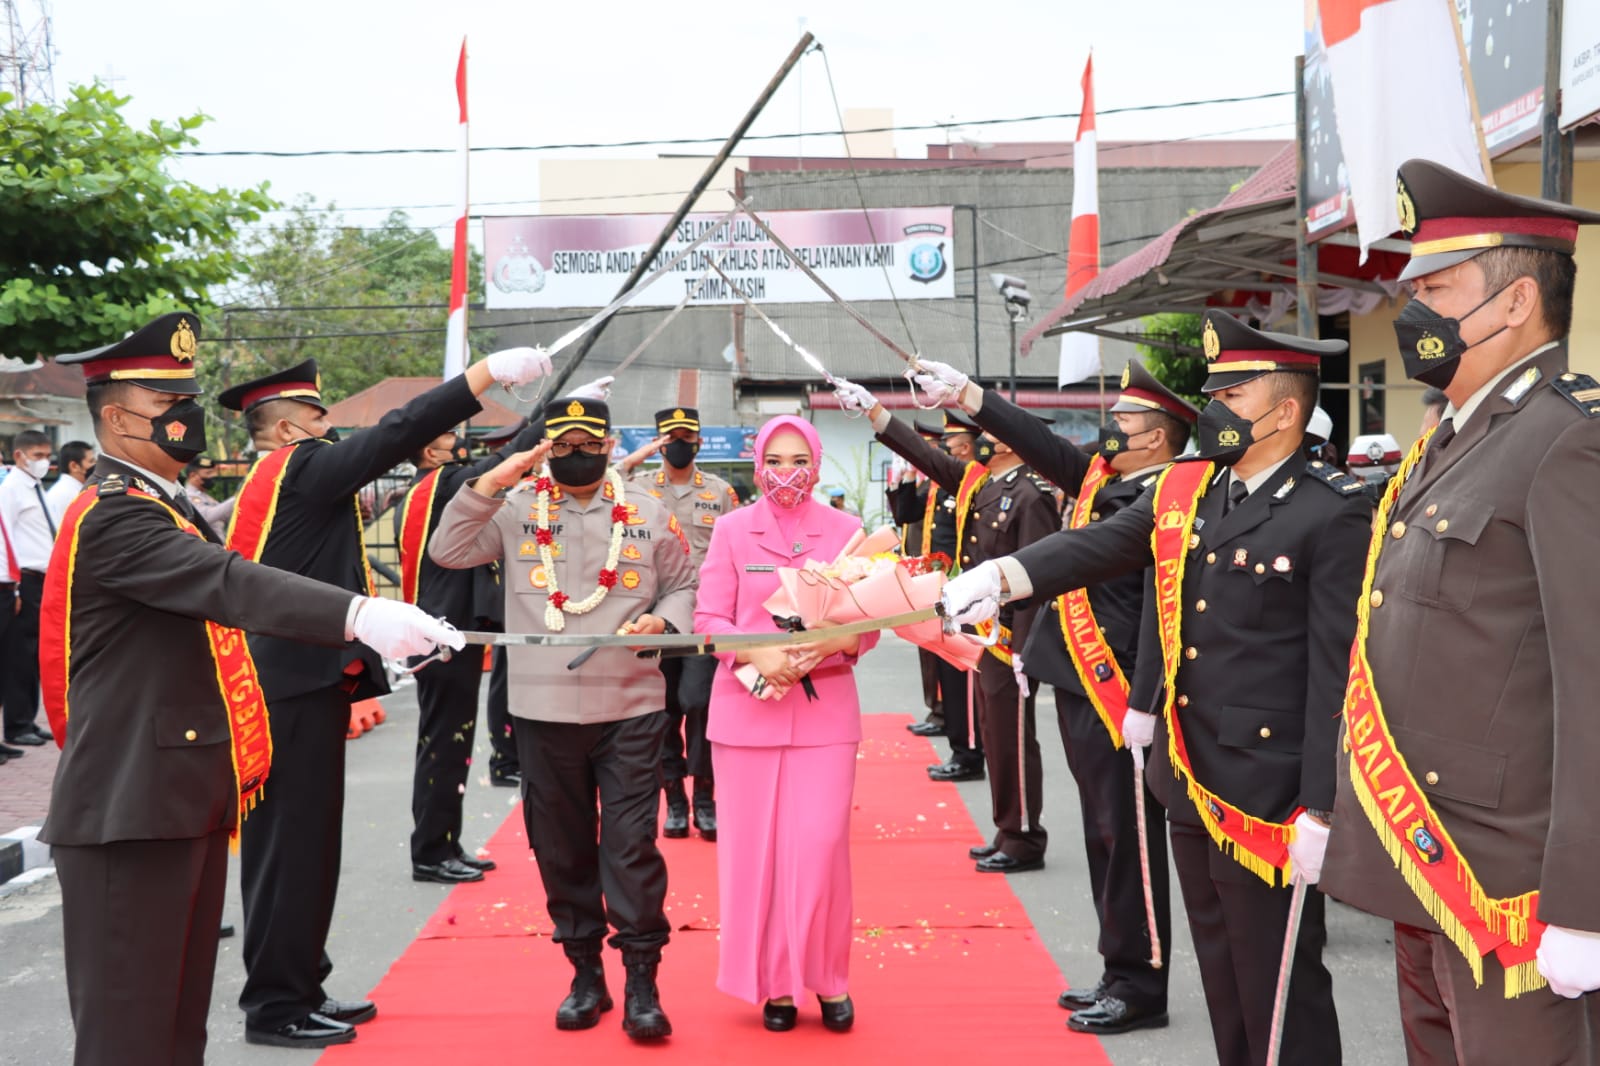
(26, 52)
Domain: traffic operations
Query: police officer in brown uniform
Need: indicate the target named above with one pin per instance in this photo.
(157, 705)
(1257, 550)
(697, 498)
(1008, 509)
(1092, 675)
(1470, 749)
(585, 553)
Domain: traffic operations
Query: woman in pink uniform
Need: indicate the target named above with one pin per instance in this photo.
(785, 768)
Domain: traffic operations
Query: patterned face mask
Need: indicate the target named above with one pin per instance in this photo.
(787, 486)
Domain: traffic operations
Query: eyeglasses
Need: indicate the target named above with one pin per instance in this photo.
(561, 450)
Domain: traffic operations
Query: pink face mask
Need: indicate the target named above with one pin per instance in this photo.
(787, 486)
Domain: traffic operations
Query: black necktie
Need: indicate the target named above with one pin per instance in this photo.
(38, 490)
(1236, 494)
(1443, 435)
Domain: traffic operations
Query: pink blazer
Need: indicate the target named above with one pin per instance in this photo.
(738, 575)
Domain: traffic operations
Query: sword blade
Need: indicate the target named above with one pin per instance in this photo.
(1280, 1001)
(778, 331)
(1144, 855)
(860, 318)
(696, 643)
(650, 279)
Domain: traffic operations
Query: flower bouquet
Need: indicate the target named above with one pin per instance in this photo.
(867, 580)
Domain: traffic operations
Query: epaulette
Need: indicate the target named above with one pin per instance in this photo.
(1582, 390)
(1041, 483)
(1334, 478)
(112, 485)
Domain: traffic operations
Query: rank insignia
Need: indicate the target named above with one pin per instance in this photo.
(528, 548)
(634, 517)
(630, 551)
(707, 519)
(630, 579)
(707, 495)
(672, 524)
(112, 485)
(538, 578)
(1525, 381)
(1284, 490)
(1282, 565)
(609, 494)
(1429, 849)
(1241, 557)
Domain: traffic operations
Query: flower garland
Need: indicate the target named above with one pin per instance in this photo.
(559, 601)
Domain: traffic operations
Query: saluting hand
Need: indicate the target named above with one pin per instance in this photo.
(643, 452)
(512, 469)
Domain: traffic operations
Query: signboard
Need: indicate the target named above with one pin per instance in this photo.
(1505, 44)
(717, 443)
(570, 261)
(1580, 62)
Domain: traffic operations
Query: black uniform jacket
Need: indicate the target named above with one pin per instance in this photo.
(908, 505)
(1009, 511)
(1269, 597)
(314, 531)
(1483, 655)
(1116, 602)
(148, 754)
(473, 598)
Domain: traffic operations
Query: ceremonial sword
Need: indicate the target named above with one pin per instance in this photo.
(778, 331)
(1144, 855)
(1280, 1000)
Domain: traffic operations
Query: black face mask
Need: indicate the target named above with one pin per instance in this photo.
(179, 431)
(982, 451)
(578, 469)
(680, 453)
(1113, 442)
(1224, 437)
(1431, 344)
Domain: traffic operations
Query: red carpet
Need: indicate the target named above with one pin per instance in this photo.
(946, 966)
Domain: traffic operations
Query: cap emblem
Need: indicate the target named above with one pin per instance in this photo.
(574, 408)
(1405, 208)
(1210, 342)
(183, 342)
(1127, 373)
(677, 413)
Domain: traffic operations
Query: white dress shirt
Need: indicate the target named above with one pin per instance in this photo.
(59, 495)
(23, 510)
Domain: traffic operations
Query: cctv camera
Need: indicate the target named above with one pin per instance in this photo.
(1001, 282)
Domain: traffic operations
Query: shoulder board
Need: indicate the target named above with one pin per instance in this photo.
(112, 485)
(1336, 479)
(1041, 483)
(1582, 390)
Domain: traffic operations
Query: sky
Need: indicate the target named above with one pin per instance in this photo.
(296, 75)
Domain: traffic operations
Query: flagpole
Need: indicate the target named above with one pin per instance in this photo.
(1472, 93)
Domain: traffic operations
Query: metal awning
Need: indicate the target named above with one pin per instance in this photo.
(1239, 253)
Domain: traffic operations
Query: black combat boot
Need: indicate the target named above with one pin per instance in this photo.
(705, 809)
(677, 823)
(642, 1016)
(588, 998)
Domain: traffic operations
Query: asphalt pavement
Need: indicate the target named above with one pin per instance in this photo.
(381, 910)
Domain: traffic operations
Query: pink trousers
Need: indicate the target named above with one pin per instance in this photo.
(783, 869)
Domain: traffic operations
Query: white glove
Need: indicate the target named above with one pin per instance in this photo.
(1570, 960)
(973, 596)
(1306, 850)
(598, 389)
(853, 397)
(940, 383)
(398, 630)
(1138, 729)
(518, 366)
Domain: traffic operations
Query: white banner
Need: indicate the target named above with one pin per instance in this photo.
(567, 261)
(1580, 62)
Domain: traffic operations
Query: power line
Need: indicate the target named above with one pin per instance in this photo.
(911, 128)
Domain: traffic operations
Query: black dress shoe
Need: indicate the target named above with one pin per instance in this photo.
(1082, 998)
(362, 1010)
(11, 753)
(926, 729)
(472, 862)
(449, 872)
(779, 1019)
(1111, 1015)
(838, 1016)
(705, 821)
(31, 739)
(983, 851)
(312, 1031)
(954, 771)
(41, 732)
(506, 778)
(1001, 863)
(225, 930)
(676, 824)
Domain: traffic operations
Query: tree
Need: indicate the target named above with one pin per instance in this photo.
(369, 304)
(1183, 371)
(96, 237)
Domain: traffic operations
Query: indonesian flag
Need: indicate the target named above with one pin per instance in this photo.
(1399, 93)
(455, 345)
(1080, 352)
